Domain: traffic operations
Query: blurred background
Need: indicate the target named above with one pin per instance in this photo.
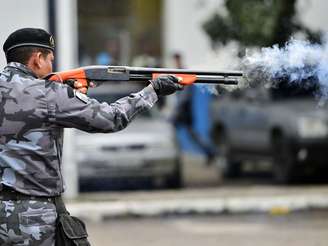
(213, 145)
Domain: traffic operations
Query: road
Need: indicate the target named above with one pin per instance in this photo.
(293, 229)
(298, 229)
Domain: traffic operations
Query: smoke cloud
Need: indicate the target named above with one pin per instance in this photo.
(299, 63)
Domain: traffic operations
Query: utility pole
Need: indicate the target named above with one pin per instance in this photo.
(63, 24)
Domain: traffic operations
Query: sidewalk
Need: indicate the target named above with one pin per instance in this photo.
(218, 200)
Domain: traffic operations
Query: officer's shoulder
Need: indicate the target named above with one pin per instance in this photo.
(66, 90)
(53, 85)
(56, 87)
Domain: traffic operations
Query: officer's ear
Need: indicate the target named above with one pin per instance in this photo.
(34, 61)
(39, 59)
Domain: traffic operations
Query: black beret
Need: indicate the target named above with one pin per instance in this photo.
(34, 37)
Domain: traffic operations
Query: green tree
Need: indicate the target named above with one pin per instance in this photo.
(257, 23)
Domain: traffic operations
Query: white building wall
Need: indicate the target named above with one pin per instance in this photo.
(17, 14)
(314, 13)
(183, 29)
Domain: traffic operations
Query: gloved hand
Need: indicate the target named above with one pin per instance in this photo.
(166, 85)
(83, 88)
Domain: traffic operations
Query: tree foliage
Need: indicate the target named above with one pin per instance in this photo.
(257, 23)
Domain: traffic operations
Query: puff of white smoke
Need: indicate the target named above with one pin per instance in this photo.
(298, 62)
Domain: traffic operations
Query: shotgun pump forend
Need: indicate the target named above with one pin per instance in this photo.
(85, 75)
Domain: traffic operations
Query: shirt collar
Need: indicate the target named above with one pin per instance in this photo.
(21, 67)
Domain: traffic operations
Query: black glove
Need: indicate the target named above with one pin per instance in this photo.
(166, 85)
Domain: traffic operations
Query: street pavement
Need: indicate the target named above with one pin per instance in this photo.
(208, 211)
(295, 229)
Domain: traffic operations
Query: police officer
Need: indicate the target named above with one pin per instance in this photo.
(33, 114)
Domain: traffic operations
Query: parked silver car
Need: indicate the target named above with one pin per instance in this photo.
(146, 149)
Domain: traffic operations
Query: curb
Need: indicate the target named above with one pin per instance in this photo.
(97, 211)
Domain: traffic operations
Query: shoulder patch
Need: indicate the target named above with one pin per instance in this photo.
(82, 97)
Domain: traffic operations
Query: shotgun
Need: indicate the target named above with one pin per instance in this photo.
(101, 73)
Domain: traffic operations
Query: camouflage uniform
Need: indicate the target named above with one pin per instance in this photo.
(27, 222)
(33, 113)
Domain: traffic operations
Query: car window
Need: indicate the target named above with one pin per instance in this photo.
(302, 89)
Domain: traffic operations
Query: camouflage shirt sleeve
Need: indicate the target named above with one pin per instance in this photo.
(70, 108)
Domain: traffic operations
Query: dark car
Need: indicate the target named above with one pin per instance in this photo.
(285, 125)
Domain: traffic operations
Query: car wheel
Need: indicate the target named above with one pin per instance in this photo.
(284, 162)
(231, 168)
(174, 180)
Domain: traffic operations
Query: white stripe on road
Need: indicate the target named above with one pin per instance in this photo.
(100, 210)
